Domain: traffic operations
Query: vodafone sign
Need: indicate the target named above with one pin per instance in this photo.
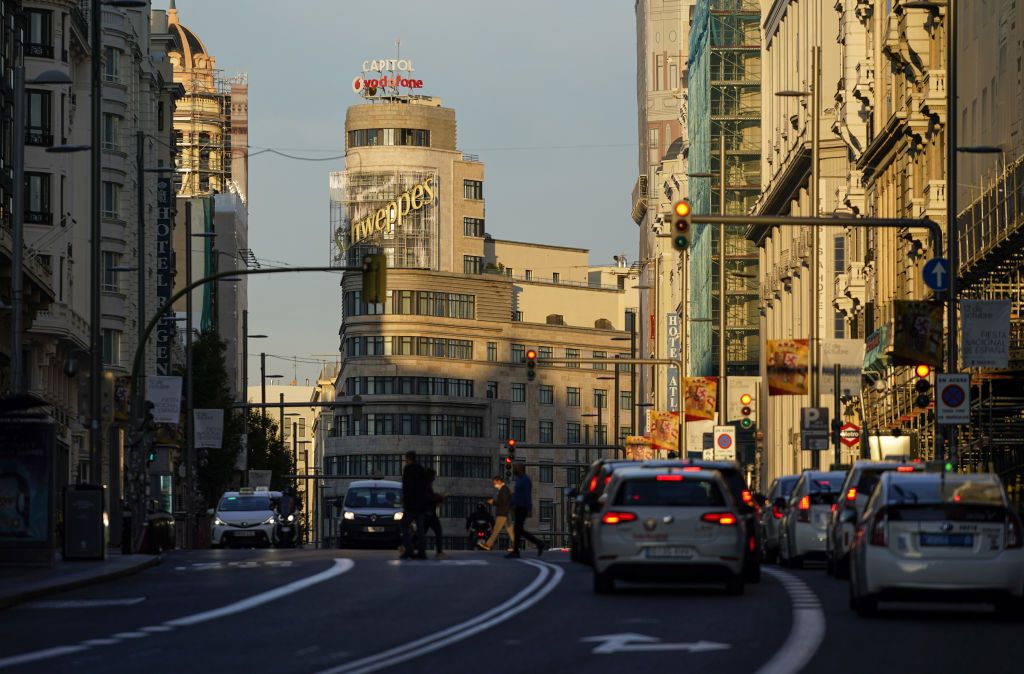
(387, 75)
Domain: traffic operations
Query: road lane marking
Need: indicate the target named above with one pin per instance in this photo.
(547, 579)
(85, 603)
(631, 642)
(807, 632)
(340, 566)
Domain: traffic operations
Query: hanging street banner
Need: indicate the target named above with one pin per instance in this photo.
(165, 394)
(848, 354)
(788, 362)
(672, 343)
(664, 430)
(917, 332)
(122, 398)
(876, 350)
(209, 428)
(701, 398)
(985, 333)
(638, 448)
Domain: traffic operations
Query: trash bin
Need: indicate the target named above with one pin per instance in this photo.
(85, 529)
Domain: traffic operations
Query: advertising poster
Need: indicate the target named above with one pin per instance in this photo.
(985, 333)
(788, 363)
(165, 394)
(665, 430)
(917, 333)
(701, 398)
(26, 483)
(209, 428)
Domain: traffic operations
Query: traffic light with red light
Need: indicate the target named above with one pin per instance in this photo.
(922, 386)
(531, 365)
(510, 445)
(682, 214)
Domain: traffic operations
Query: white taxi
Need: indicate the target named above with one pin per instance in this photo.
(244, 518)
(805, 524)
(938, 536)
(668, 525)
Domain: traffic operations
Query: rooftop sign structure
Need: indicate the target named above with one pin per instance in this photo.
(382, 78)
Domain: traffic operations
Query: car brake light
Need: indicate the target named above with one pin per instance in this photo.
(669, 478)
(804, 509)
(719, 518)
(880, 529)
(1014, 535)
(904, 469)
(748, 498)
(617, 517)
(851, 494)
(833, 507)
(776, 513)
(692, 469)
(607, 479)
(593, 483)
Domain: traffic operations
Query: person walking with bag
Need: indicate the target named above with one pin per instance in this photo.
(502, 502)
(522, 503)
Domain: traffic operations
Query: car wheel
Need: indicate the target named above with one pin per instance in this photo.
(866, 605)
(735, 585)
(1011, 608)
(603, 583)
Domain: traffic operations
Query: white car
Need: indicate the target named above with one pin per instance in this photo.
(772, 514)
(938, 536)
(805, 524)
(669, 525)
(853, 498)
(244, 518)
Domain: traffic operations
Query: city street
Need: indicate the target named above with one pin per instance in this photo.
(361, 611)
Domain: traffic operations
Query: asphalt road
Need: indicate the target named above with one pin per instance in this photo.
(362, 611)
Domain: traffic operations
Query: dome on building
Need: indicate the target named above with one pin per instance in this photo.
(185, 41)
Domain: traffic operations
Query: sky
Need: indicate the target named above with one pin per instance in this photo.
(544, 92)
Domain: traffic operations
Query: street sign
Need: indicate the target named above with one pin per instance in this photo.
(936, 274)
(849, 435)
(725, 443)
(953, 399)
(814, 428)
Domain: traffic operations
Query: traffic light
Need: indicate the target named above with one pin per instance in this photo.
(375, 278)
(531, 365)
(146, 433)
(682, 214)
(747, 415)
(510, 445)
(922, 385)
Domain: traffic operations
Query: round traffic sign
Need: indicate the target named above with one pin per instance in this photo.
(953, 395)
(724, 441)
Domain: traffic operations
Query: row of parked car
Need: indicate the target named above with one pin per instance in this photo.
(896, 529)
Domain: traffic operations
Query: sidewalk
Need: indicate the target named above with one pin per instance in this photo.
(18, 585)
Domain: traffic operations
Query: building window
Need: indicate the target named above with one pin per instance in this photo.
(388, 385)
(546, 472)
(519, 393)
(572, 396)
(600, 354)
(302, 427)
(839, 326)
(839, 254)
(518, 353)
(529, 274)
(624, 431)
(519, 430)
(555, 277)
(601, 434)
(473, 189)
(112, 64)
(373, 137)
(472, 264)
(659, 71)
(572, 353)
(601, 398)
(572, 433)
(547, 509)
(111, 132)
(544, 352)
(111, 347)
(625, 400)
(37, 199)
(517, 316)
(450, 425)
(110, 260)
(503, 428)
(39, 130)
(547, 432)
(492, 351)
(492, 389)
(546, 394)
(111, 202)
(473, 227)
(39, 34)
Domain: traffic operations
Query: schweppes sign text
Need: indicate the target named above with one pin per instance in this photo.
(390, 215)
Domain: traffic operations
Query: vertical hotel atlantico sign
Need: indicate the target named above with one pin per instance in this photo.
(164, 273)
(389, 216)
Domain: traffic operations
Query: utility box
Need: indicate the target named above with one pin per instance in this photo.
(85, 517)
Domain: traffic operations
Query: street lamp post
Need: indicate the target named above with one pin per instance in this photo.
(615, 409)
(245, 377)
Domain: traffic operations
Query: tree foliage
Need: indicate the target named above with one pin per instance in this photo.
(266, 451)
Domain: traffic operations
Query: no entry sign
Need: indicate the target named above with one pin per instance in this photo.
(953, 399)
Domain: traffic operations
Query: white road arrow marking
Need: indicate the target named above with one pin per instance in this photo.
(631, 642)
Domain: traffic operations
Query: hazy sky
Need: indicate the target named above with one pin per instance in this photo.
(544, 92)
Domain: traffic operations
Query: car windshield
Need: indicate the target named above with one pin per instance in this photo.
(933, 490)
(373, 497)
(696, 492)
(786, 486)
(243, 503)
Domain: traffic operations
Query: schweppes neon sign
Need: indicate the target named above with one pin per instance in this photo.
(390, 215)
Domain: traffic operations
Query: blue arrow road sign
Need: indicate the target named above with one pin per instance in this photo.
(936, 274)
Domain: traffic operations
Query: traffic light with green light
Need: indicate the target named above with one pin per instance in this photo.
(922, 386)
(375, 278)
(682, 215)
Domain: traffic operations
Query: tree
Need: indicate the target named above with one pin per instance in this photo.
(266, 452)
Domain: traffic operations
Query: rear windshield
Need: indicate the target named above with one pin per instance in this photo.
(243, 503)
(825, 488)
(695, 492)
(932, 490)
(868, 479)
(735, 482)
(786, 486)
(373, 497)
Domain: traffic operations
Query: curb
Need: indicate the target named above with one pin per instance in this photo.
(20, 597)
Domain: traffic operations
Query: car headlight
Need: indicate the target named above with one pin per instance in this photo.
(398, 515)
(291, 518)
(270, 520)
(349, 515)
(218, 522)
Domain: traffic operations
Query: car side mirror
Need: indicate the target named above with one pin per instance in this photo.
(209, 512)
(848, 516)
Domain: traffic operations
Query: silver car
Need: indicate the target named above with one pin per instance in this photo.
(771, 515)
(668, 525)
(805, 524)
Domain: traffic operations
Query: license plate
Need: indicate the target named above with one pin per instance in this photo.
(374, 530)
(286, 528)
(947, 540)
(245, 533)
(678, 552)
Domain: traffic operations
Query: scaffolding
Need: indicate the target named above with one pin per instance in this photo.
(724, 96)
(202, 128)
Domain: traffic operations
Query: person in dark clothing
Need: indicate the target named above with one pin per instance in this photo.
(522, 503)
(502, 503)
(433, 521)
(479, 520)
(416, 503)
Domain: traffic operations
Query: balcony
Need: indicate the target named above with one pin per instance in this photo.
(639, 200)
(38, 137)
(38, 218)
(934, 206)
(42, 51)
(61, 321)
(935, 94)
(851, 289)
